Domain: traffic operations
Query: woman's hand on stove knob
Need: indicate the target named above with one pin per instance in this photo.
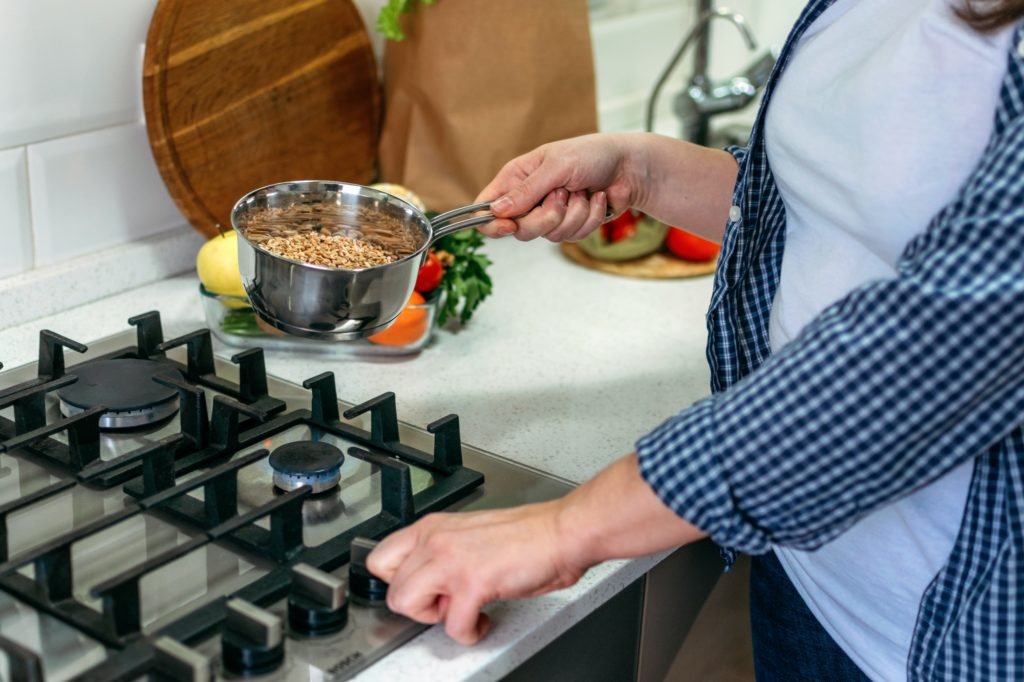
(562, 190)
(447, 567)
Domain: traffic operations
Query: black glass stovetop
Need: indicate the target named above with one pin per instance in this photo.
(164, 550)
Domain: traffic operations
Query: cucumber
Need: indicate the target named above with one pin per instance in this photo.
(650, 235)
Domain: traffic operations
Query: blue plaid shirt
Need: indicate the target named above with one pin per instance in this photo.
(885, 391)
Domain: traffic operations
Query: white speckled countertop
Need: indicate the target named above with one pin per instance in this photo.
(562, 369)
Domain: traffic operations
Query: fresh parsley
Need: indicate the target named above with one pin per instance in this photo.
(389, 19)
(465, 279)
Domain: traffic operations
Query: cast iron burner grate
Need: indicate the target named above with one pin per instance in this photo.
(205, 452)
(125, 388)
(307, 462)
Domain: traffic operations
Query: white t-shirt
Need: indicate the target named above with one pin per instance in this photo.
(883, 112)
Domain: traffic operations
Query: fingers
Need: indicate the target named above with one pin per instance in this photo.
(544, 193)
(447, 567)
(575, 216)
(544, 219)
(418, 596)
(560, 217)
(597, 209)
(464, 622)
(511, 174)
(424, 596)
(500, 227)
(388, 556)
(531, 189)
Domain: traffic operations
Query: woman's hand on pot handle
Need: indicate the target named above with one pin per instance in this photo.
(562, 190)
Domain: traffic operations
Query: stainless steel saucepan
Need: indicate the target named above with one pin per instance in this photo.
(334, 303)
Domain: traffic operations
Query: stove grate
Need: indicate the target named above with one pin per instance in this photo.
(204, 454)
(248, 399)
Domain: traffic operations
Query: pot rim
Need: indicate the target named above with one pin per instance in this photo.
(418, 214)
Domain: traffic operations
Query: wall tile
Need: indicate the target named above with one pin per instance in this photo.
(94, 190)
(15, 221)
(775, 20)
(634, 39)
(69, 66)
(630, 51)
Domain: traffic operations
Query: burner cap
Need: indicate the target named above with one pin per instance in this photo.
(306, 462)
(125, 387)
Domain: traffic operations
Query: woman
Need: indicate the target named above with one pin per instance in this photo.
(867, 350)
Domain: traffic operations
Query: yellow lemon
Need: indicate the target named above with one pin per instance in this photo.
(217, 266)
(401, 192)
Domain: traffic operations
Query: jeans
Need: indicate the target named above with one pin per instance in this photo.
(789, 642)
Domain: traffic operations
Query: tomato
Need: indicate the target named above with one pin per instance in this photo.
(689, 246)
(621, 228)
(430, 274)
(408, 327)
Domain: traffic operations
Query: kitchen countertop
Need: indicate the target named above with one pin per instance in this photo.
(561, 370)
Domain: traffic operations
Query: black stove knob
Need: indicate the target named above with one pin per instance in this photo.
(23, 665)
(172, 660)
(365, 587)
(317, 604)
(252, 642)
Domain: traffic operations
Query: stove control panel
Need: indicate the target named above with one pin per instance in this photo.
(326, 630)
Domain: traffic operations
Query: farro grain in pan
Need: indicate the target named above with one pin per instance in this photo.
(319, 235)
(331, 250)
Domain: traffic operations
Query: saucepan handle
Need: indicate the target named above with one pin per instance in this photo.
(442, 230)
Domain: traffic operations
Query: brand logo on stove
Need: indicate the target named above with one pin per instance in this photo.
(345, 662)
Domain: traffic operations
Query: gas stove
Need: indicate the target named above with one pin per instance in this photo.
(166, 514)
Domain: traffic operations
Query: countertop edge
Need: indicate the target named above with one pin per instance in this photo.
(612, 390)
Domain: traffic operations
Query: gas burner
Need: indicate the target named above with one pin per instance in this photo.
(126, 387)
(306, 462)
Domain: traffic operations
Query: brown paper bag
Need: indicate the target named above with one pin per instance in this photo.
(478, 82)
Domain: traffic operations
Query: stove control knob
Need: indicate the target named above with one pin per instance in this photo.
(175, 661)
(252, 642)
(317, 603)
(364, 587)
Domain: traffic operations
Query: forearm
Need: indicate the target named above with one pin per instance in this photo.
(884, 392)
(681, 183)
(617, 515)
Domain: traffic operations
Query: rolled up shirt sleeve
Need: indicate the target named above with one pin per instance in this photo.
(738, 153)
(885, 391)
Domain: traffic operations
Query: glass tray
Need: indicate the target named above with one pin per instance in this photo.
(233, 321)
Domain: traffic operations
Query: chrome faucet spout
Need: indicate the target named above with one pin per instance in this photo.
(703, 24)
(703, 99)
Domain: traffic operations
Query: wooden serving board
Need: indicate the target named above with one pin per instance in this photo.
(239, 94)
(658, 265)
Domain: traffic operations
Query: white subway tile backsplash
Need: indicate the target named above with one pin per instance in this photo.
(634, 39)
(15, 221)
(68, 66)
(95, 190)
(630, 51)
(85, 194)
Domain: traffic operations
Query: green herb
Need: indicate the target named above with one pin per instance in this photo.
(389, 19)
(465, 280)
(241, 323)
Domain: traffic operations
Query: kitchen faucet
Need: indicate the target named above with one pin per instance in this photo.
(704, 99)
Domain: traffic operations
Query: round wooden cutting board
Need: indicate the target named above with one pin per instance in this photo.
(655, 266)
(244, 93)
